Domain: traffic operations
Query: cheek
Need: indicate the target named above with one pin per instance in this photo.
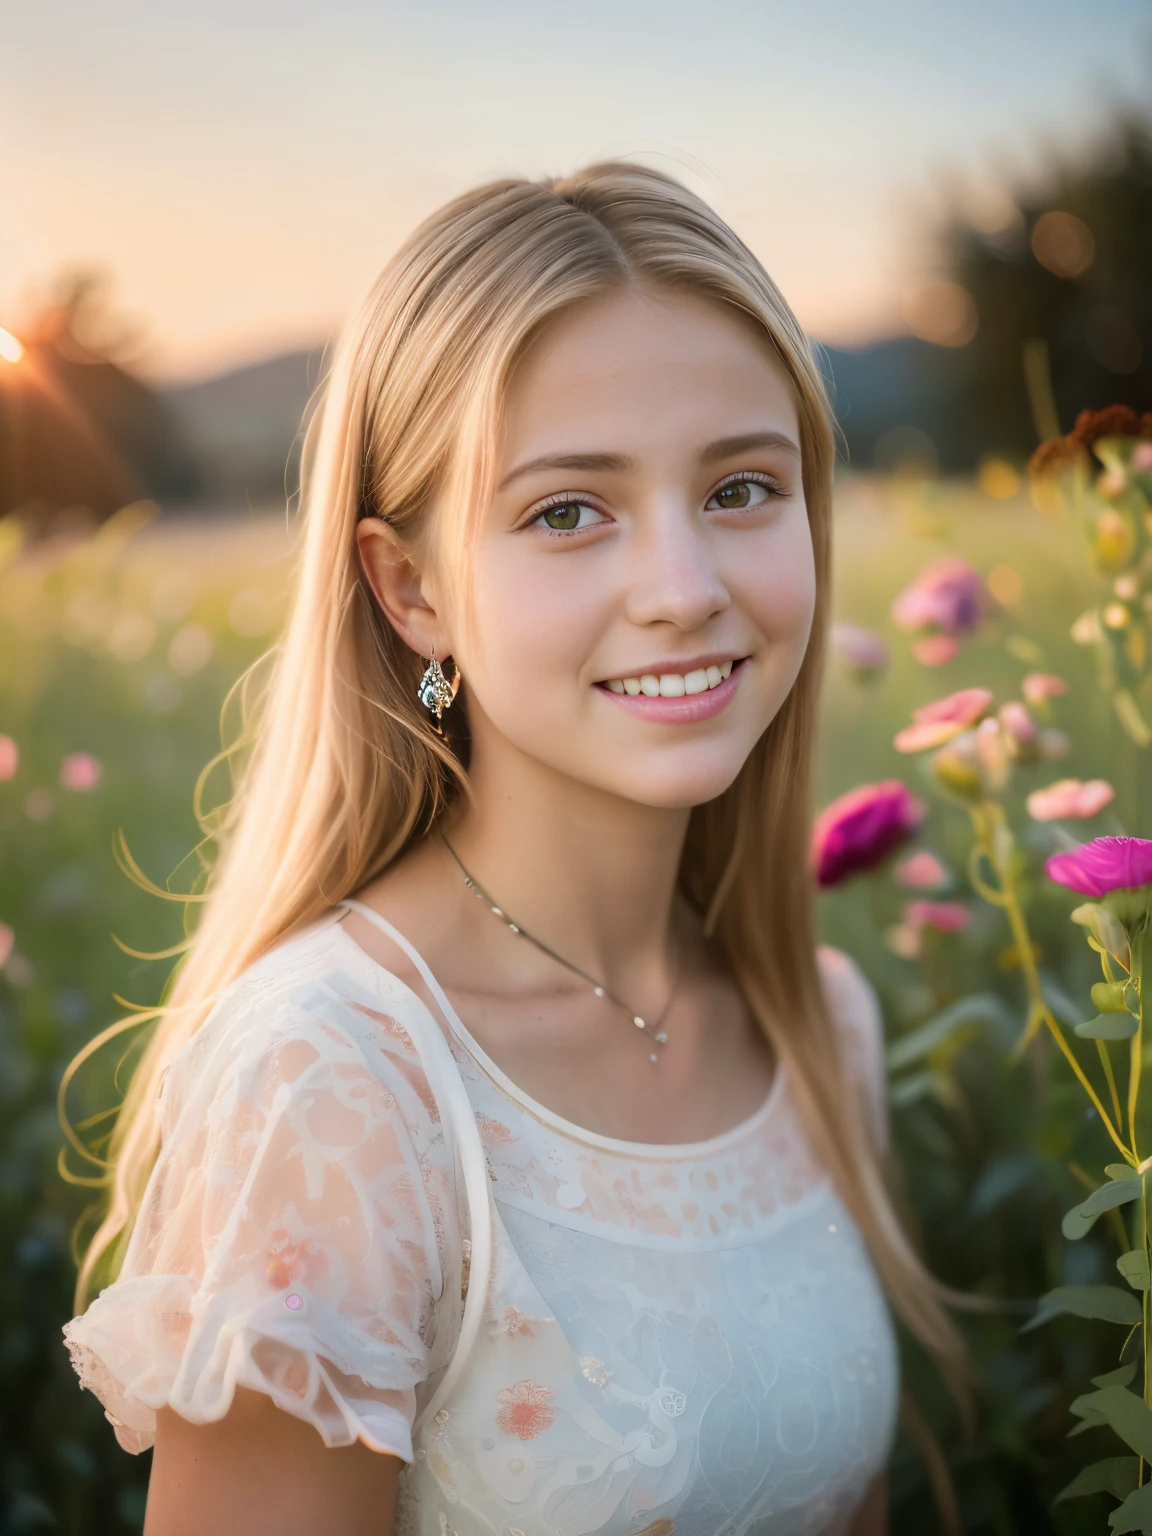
(534, 621)
(777, 591)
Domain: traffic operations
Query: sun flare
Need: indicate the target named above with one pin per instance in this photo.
(11, 348)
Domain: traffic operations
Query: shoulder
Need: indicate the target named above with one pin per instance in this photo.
(855, 1011)
(313, 1008)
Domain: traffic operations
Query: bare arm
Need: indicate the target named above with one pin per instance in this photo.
(260, 1472)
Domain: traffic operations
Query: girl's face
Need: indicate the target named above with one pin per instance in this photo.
(643, 585)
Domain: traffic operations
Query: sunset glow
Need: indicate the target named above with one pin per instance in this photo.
(11, 348)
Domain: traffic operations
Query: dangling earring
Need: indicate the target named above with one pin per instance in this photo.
(436, 693)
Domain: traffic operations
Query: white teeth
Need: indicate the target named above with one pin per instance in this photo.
(672, 685)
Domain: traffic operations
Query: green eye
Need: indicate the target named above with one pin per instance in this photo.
(563, 517)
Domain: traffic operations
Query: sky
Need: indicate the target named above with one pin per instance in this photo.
(243, 168)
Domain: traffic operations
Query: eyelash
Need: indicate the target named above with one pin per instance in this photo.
(570, 498)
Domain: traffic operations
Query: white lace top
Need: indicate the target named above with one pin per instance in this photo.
(658, 1339)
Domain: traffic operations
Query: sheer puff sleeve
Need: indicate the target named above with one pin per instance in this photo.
(855, 1008)
(300, 1231)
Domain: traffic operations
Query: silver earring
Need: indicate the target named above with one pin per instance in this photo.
(436, 693)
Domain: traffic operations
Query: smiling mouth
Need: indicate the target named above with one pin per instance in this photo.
(671, 685)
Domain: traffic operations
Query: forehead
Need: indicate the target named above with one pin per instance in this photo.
(636, 364)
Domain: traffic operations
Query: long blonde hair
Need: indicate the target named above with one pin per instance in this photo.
(344, 771)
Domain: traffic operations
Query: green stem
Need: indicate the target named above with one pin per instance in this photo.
(1106, 1063)
(995, 844)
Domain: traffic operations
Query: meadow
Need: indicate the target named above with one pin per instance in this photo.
(116, 654)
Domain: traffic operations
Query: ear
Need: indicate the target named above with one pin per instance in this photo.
(400, 588)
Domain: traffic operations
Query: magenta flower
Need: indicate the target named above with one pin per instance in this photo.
(943, 916)
(1039, 687)
(9, 758)
(939, 722)
(80, 771)
(1070, 799)
(921, 871)
(1103, 865)
(948, 596)
(857, 831)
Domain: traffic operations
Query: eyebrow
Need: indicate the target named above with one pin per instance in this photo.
(618, 463)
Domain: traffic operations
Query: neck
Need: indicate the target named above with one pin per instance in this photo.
(588, 873)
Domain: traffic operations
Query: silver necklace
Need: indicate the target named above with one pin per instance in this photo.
(651, 1028)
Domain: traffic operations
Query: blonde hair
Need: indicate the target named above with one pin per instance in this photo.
(345, 772)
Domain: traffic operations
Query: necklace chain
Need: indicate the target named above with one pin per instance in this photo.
(651, 1028)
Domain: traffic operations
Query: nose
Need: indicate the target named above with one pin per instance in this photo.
(674, 579)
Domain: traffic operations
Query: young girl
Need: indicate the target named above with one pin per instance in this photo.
(506, 1157)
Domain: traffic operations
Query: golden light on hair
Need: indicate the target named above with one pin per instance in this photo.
(1063, 243)
(11, 347)
(941, 312)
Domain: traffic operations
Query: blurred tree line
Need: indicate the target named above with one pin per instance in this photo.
(1042, 304)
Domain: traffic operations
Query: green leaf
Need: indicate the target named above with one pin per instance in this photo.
(1135, 1514)
(1081, 1218)
(981, 1008)
(1128, 1416)
(1115, 1475)
(1107, 1302)
(1120, 1171)
(1120, 1377)
(1108, 1026)
(1134, 1267)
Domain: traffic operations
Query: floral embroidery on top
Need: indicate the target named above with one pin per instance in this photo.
(661, 1527)
(512, 1321)
(525, 1410)
(595, 1371)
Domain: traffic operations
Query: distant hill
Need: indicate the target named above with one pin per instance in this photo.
(243, 426)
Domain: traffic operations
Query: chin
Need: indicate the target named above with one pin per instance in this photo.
(680, 786)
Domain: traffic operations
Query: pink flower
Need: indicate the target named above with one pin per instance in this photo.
(1142, 458)
(861, 649)
(1103, 865)
(947, 596)
(80, 771)
(7, 943)
(9, 758)
(859, 829)
(1070, 798)
(939, 722)
(1039, 687)
(921, 871)
(943, 916)
(936, 650)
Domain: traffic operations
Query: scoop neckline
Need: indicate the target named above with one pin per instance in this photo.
(671, 1150)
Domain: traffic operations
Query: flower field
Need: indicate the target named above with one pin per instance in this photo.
(975, 738)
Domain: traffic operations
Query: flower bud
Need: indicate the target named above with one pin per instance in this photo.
(1116, 616)
(957, 770)
(1019, 732)
(1086, 630)
(1114, 541)
(1109, 996)
(992, 752)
